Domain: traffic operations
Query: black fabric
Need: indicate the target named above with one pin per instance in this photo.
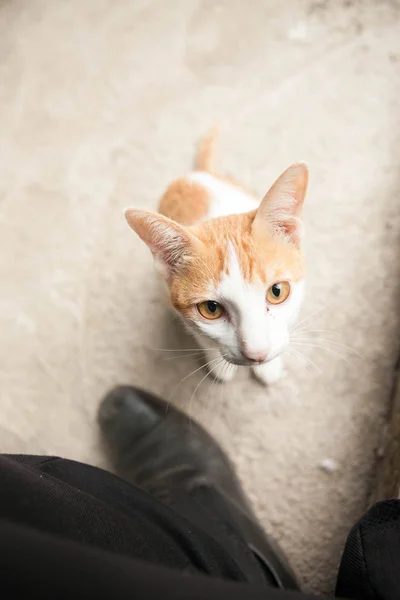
(370, 567)
(93, 507)
(68, 530)
(39, 566)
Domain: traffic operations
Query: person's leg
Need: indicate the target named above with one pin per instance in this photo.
(58, 515)
(87, 505)
(370, 566)
(161, 450)
(40, 566)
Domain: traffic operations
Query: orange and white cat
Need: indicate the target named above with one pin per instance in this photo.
(233, 266)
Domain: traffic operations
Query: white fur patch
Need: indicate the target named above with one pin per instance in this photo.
(252, 327)
(226, 199)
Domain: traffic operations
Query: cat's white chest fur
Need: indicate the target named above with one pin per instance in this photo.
(225, 198)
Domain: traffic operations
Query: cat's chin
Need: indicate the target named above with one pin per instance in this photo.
(240, 362)
(223, 368)
(262, 367)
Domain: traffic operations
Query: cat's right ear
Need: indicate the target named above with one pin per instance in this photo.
(170, 243)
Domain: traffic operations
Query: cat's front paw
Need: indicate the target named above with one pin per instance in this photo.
(269, 373)
(219, 368)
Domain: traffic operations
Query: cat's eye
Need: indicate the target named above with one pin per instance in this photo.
(210, 309)
(279, 292)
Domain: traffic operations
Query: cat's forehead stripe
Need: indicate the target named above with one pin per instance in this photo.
(259, 259)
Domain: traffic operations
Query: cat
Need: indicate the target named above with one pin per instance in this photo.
(233, 266)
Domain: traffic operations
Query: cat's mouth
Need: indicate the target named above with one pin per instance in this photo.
(246, 362)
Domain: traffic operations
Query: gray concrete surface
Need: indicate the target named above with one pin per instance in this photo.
(101, 104)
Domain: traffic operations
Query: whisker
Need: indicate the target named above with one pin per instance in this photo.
(305, 358)
(332, 331)
(181, 349)
(324, 348)
(182, 356)
(307, 318)
(325, 341)
(225, 370)
(214, 383)
(192, 373)
(201, 381)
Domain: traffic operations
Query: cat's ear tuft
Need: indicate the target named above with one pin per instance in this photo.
(282, 204)
(169, 242)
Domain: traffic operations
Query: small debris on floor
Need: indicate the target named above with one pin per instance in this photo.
(329, 465)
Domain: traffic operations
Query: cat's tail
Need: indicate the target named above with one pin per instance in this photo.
(206, 151)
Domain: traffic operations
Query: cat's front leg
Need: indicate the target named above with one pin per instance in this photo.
(218, 367)
(270, 372)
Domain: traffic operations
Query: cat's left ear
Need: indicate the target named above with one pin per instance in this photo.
(170, 243)
(281, 206)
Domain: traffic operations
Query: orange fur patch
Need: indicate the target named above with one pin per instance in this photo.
(268, 258)
(185, 202)
(205, 162)
(263, 255)
(206, 151)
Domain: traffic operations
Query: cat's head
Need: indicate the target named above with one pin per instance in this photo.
(236, 281)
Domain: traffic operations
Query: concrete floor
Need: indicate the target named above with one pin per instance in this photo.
(101, 104)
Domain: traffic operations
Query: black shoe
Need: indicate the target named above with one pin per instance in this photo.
(162, 451)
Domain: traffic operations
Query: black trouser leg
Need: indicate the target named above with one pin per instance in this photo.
(69, 530)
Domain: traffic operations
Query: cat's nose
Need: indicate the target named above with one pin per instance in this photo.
(254, 355)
